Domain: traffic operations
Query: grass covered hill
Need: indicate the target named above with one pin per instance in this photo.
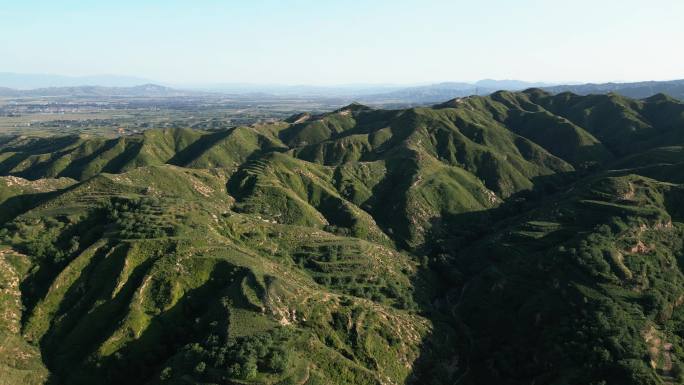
(516, 238)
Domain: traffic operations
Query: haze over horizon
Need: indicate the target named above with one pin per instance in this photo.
(338, 43)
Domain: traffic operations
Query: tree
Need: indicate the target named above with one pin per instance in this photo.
(200, 367)
(278, 360)
(165, 374)
(249, 369)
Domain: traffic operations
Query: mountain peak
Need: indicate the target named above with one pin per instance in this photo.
(659, 97)
(298, 118)
(354, 107)
(152, 87)
(537, 92)
(452, 103)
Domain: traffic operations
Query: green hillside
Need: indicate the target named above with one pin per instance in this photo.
(519, 238)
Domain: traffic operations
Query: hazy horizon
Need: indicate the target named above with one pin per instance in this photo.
(337, 43)
(137, 80)
(132, 78)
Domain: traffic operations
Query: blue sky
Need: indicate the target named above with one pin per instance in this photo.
(342, 42)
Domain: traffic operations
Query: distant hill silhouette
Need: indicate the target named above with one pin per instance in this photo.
(32, 81)
(638, 90)
(145, 90)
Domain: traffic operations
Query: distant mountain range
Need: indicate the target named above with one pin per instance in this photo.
(299, 90)
(443, 91)
(372, 92)
(433, 93)
(145, 90)
(33, 81)
(19, 85)
(637, 90)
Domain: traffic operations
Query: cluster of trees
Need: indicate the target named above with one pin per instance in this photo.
(242, 358)
(52, 240)
(138, 217)
(359, 283)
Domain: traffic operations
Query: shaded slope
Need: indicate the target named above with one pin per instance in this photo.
(584, 278)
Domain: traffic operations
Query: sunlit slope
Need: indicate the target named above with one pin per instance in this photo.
(84, 157)
(132, 273)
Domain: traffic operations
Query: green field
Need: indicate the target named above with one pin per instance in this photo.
(115, 116)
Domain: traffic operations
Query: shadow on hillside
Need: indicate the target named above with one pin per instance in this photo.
(117, 163)
(443, 282)
(191, 152)
(14, 206)
(169, 330)
(9, 163)
(62, 357)
(51, 261)
(75, 169)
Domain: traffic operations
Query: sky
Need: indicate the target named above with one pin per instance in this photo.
(333, 42)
